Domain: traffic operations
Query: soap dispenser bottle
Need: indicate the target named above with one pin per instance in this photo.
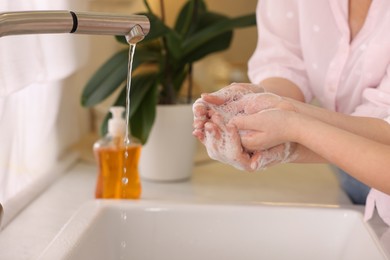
(117, 158)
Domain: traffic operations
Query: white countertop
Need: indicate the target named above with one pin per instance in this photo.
(32, 230)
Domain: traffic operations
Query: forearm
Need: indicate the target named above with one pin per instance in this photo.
(283, 87)
(371, 128)
(365, 159)
(305, 155)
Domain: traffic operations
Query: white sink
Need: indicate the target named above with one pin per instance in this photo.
(154, 230)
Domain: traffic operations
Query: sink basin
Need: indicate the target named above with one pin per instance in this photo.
(159, 230)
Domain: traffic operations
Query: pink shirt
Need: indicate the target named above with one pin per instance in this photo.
(308, 43)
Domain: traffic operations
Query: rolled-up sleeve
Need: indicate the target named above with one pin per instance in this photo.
(278, 52)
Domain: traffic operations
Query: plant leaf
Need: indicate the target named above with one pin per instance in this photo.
(147, 6)
(140, 86)
(142, 119)
(186, 20)
(142, 56)
(157, 27)
(113, 73)
(174, 44)
(201, 38)
(179, 78)
(106, 79)
(104, 125)
(217, 43)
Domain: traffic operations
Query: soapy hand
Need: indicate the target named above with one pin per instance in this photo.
(282, 153)
(264, 129)
(266, 150)
(203, 107)
(222, 139)
(223, 143)
(231, 93)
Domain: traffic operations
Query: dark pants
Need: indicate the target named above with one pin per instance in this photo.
(355, 190)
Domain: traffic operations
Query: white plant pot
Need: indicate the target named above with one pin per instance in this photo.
(169, 152)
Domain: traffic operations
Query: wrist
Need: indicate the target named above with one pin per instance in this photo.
(295, 127)
(256, 88)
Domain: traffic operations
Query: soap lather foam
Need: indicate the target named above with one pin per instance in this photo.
(223, 143)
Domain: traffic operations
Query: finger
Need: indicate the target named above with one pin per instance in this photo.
(218, 119)
(218, 122)
(261, 160)
(229, 134)
(227, 147)
(255, 163)
(266, 158)
(198, 123)
(253, 140)
(230, 93)
(223, 143)
(199, 108)
(213, 99)
(211, 112)
(211, 143)
(200, 112)
(248, 87)
(199, 134)
(265, 101)
(274, 155)
(213, 130)
(234, 150)
(261, 101)
(246, 122)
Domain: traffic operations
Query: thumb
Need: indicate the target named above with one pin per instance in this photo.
(251, 140)
(213, 99)
(244, 122)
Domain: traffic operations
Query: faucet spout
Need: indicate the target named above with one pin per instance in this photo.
(134, 27)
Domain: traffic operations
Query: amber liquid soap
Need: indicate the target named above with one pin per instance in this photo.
(117, 158)
(118, 176)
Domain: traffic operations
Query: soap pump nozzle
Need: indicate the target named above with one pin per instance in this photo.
(117, 124)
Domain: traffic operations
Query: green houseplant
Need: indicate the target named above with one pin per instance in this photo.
(162, 62)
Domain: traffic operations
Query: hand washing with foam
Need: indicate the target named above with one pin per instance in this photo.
(212, 116)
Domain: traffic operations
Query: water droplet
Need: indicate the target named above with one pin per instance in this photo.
(125, 181)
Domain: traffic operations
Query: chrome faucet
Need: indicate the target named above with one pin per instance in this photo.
(134, 27)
